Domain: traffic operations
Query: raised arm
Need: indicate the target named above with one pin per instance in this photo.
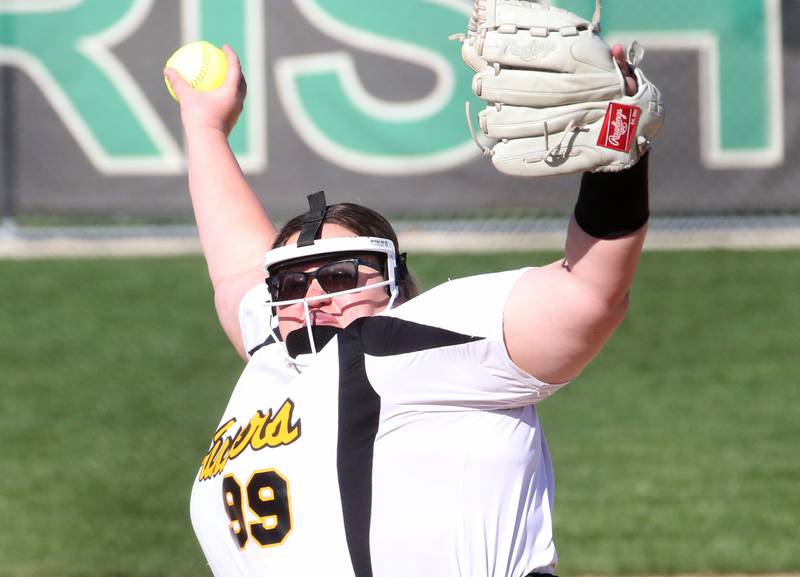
(559, 100)
(235, 229)
(558, 317)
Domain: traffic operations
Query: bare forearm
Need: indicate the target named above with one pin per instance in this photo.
(234, 228)
(603, 267)
(607, 231)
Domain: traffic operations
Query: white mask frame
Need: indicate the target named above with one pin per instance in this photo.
(321, 248)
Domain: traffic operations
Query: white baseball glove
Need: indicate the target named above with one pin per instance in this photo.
(556, 101)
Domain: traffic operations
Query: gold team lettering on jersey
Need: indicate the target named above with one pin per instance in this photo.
(263, 430)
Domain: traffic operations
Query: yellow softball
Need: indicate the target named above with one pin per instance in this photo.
(201, 64)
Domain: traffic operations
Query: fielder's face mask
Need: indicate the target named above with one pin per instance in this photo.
(337, 276)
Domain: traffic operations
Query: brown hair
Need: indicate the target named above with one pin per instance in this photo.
(362, 221)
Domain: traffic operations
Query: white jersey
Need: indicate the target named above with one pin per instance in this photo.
(409, 447)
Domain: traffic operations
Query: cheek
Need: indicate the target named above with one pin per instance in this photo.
(291, 315)
(347, 308)
(366, 303)
(291, 311)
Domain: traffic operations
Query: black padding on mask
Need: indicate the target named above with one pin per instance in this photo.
(401, 268)
(297, 342)
(312, 220)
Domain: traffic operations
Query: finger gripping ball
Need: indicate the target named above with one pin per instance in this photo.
(201, 64)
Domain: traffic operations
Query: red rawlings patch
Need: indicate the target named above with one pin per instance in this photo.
(619, 127)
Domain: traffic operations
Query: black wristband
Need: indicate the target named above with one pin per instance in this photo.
(613, 204)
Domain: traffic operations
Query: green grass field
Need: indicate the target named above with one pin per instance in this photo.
(677, 451)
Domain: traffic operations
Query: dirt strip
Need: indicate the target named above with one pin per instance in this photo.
(26, 244)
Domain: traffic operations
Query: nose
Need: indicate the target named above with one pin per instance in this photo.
(315, 290)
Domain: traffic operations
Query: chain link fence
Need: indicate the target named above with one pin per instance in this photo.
(92, 137)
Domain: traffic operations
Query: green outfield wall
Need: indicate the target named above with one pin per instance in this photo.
(366, 100)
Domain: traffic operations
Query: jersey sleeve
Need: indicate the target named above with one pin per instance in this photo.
(475, 373)
(254, 317)
(471, 305)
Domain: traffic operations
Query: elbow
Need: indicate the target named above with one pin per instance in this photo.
(608, 313)
(614, 313)
(616, 307)
(620, 302)
(620, 309)
(607, 301)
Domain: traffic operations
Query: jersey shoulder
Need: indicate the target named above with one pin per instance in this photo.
(254, 319)
(471, 305)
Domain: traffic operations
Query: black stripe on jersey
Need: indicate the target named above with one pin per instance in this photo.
(385, 336)
(359, 412)
(269, 341)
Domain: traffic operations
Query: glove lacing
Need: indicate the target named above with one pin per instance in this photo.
(478, 17)
(485, 150)
(596, 16)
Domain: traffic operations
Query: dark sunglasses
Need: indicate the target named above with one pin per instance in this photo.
(333, 277)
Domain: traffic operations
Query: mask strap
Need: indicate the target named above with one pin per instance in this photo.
(401, 268)
(312, 220)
